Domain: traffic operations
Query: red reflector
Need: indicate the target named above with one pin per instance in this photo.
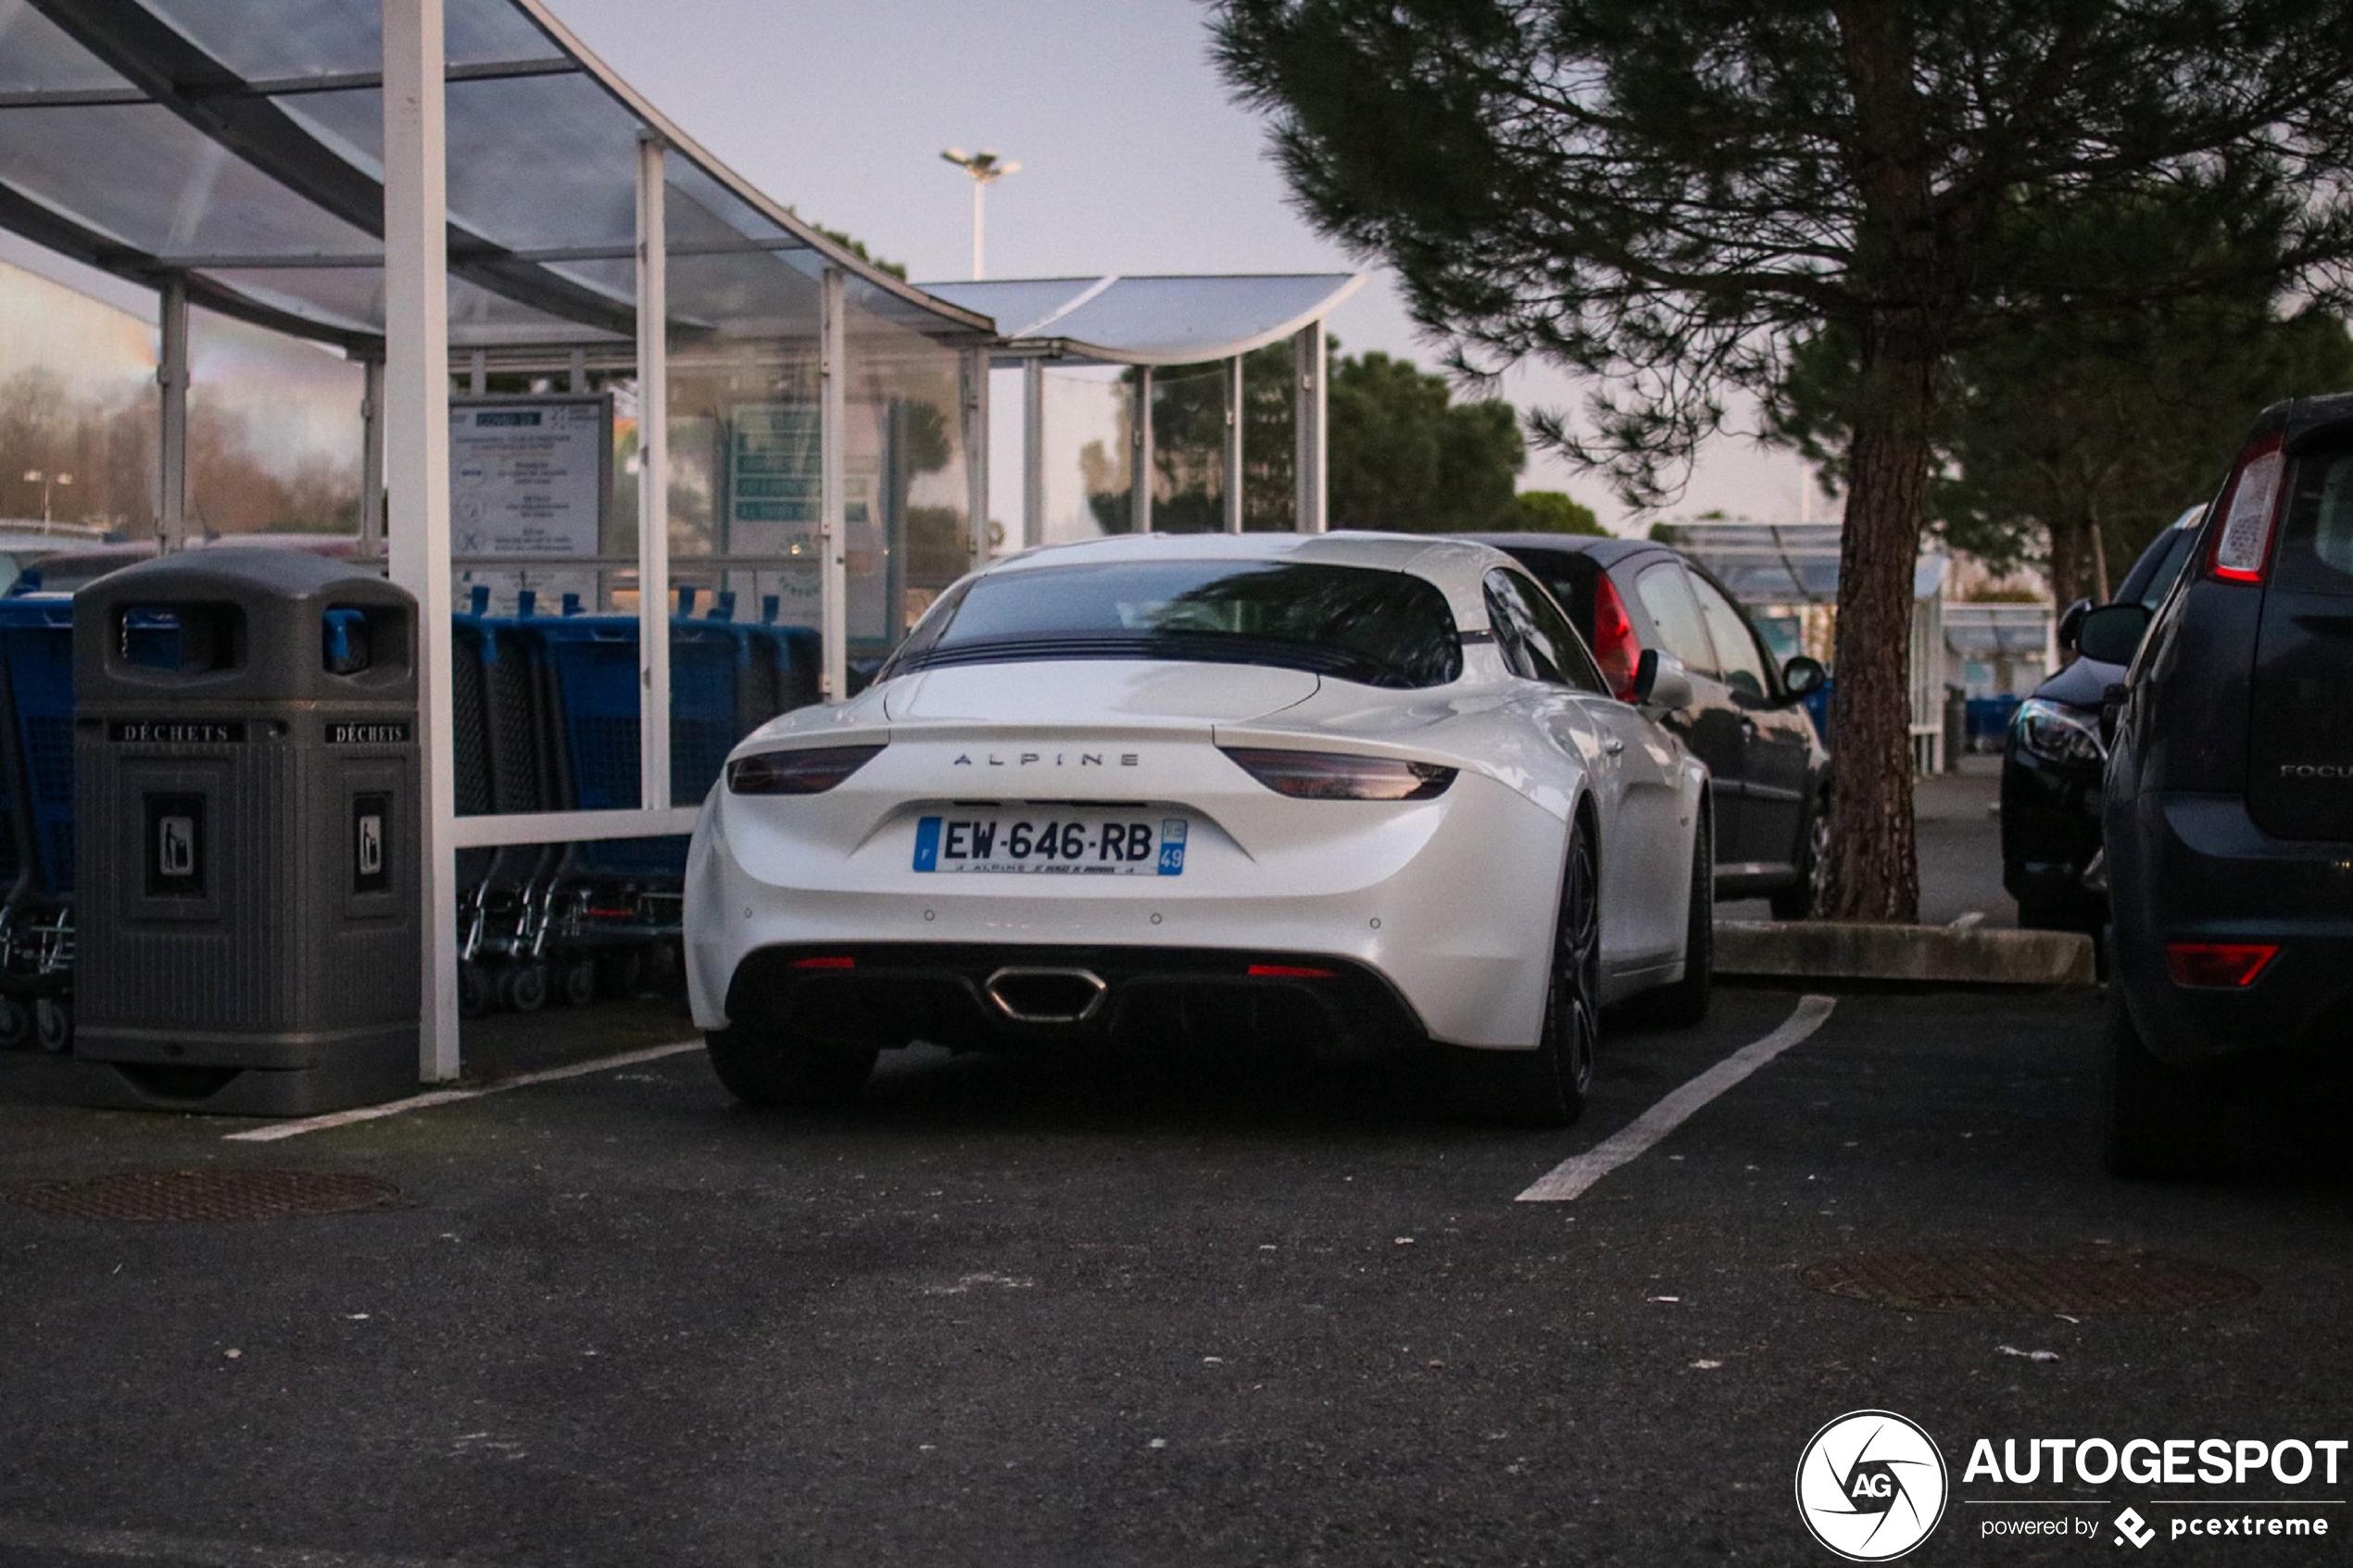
(825, 964)
(1290, 971)
(2217, 963)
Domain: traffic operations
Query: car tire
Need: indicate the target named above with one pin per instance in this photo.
(1548, 1086)
(2160, 1120)
(805, 1071)
(1685, 1002)
(1807, 897)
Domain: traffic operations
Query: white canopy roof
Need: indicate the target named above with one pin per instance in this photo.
(1149, 321)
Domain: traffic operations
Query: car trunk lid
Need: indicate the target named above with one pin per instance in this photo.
(2300, 720)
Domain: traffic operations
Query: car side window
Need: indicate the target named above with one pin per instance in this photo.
(1740, 663)
(1550, 629)
(1665, 593)
(1516, 631)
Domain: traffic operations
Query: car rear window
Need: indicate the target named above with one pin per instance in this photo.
(2316, 549)
(1355, 623)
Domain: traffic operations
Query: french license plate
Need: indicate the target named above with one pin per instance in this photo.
(1062, 844)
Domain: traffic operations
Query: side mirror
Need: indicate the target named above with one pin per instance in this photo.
(2070, 625)
(2112, 634)
(1661, 681)
(1802, 677)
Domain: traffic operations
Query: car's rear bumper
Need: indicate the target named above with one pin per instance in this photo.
(969, 995)
(1450, 903)
(2200, 870)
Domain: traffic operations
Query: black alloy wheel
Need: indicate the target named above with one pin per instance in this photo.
(1811, 893)
(1547, 1086)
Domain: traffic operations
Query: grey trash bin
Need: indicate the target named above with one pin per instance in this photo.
(245, 800)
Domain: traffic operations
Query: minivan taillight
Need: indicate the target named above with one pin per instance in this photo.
(2243, 543)
(1614, 649)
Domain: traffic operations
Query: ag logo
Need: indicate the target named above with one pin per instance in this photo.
(1872, 1486)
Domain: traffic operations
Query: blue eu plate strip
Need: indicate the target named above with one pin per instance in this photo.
(927, 845)
(1171, 847)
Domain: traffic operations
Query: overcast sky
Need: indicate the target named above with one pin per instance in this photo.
(1135, 159)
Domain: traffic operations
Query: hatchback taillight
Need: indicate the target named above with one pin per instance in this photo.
(810, 771)
(2228, 965)
(1335, 775)
(1615, 648)
(2250, 513)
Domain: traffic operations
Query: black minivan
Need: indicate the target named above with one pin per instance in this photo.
(2229, 794)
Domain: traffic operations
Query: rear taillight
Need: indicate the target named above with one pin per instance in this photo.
(2226, 965)
(2250, 512)
(1330, 776)
(810, 772)
(1290, 971)
(1615, 648)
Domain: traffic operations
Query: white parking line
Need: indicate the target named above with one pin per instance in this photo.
(1569, 1179)
(277, 1130)
(143, 1546)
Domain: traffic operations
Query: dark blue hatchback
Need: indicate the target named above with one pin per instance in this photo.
(2229, 794)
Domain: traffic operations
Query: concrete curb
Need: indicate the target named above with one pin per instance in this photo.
(1932, 954)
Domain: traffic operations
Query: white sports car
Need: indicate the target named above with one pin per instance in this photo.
(1358, 791)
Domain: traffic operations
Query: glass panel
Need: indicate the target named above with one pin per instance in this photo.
(145, 176)
(35, 54)
(534, 162)
(1270, 444)
(262, 39)
(1089, 452)
(910, 532)
(1188, 450)
(273, 433)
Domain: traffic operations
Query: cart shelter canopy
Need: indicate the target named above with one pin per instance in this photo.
(238, 146)
(1149, 321)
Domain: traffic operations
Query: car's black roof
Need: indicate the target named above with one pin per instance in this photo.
(2300, 418)
(1608, 551)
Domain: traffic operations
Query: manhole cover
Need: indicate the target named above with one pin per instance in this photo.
(1996, 1279)
(207, 1195)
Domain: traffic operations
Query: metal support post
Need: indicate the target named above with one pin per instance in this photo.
(832, 538)
(1033, 454)
(576, 378)
(1234, 444)
(172, 377)
(1140, 493)
(653, 479)
(478, 373)
(976, 453)
(1308, 407)
(417, 447)
(372, 460)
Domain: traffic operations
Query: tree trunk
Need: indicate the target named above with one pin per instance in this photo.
(1874, 865)
(2067, 567)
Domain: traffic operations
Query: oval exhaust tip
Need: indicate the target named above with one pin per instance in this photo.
(1047, 995)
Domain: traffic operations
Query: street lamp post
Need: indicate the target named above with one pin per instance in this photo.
(47, 480)
(986, 170)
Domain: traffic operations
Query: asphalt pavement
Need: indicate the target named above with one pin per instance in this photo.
(1042, 1312)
